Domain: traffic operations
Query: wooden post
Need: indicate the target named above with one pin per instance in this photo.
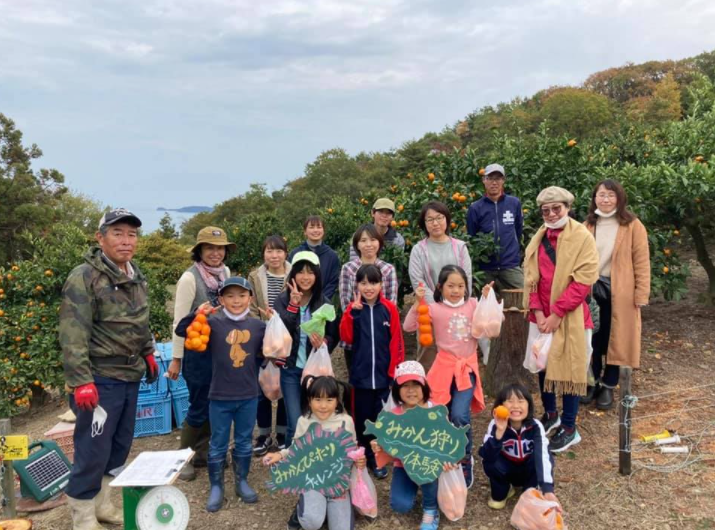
(8, 478)
(624, 421)
(506, 355)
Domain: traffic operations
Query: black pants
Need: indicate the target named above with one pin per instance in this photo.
(609, 375)
(264, 418)
(367, 404)
(502, 473)
(196, 369)
(96, 456)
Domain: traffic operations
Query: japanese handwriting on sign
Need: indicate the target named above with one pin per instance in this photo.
(13, 447)
(423, 438)
(318, 460)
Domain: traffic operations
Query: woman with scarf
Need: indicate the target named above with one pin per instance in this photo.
(560, 266)
(199, 283)
(623, 287)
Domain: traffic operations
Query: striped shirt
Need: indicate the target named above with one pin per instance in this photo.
(347, 281)
(275, 286)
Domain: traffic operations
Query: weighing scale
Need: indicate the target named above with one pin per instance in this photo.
(150, 501)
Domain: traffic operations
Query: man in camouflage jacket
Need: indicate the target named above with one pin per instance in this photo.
(107, 347)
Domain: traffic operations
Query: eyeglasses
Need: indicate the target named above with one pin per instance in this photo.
(556, 210)
(609, 196)
(494, 178)
(434, 220)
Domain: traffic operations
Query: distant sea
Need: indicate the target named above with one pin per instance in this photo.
(150, 218)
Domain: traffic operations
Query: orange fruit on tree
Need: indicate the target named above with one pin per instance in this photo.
(667, 252)
(501, 412)
(36, 382)
(666, 270)
(676, 232)
(481, 172)
(453, 225)
(571, 143)
(400, 207)
(38, 288)
(18, 339)
(426, 340)
(2, 313)
(393, 223)
(48, 272)
(422, 309)
(430, 177)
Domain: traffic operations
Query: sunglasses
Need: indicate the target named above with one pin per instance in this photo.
(556, 210)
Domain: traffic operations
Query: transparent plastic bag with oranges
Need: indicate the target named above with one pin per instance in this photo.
(488, 317)
(534, 512)
(198, 333)
(277, 341)
(318, 363)
(452, 494)
(269, 377)
(537, 349)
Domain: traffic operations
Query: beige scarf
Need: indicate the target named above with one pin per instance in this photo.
(577, 261)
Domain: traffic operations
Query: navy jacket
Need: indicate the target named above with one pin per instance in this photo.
(505, 219)
(528, 447)
(329, 266)
(375, 334)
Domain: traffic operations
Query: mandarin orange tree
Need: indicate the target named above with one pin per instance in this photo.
(29, 301)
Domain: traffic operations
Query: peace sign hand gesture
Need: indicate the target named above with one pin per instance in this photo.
(357, 301)
(295, 294)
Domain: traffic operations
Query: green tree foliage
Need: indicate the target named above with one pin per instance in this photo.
(27, 198)
(167, 229)
(577, 112)
(662, 105)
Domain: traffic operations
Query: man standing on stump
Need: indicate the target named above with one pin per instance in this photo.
(107, 347)
(500, 214)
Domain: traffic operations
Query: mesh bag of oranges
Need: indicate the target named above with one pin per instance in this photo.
(534, 512)
(198, 333)
(425, 324)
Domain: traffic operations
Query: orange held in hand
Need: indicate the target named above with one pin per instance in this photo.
(501, 413)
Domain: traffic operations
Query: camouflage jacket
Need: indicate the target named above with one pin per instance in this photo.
(104, 314)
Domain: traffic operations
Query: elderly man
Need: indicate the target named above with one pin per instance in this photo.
(107, 347)
(383, 212)
(499, 213)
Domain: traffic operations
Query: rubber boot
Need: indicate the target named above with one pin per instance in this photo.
(104, 509)
(189, 437)
(241, 468)
(215, 500)
(83, 514)
(202, 445)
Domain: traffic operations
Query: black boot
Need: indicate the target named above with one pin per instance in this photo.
(189, 435)
(604, 401)
(215, 500)
(591, 392)
(293, 522)
(241, 468)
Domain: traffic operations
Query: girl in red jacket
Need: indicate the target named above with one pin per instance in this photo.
(371, 325)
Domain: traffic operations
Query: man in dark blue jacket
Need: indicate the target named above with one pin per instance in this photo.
(501, 214)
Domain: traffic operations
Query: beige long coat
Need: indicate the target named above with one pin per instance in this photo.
(630, 286)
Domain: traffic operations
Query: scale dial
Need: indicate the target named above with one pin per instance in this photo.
(163, 508)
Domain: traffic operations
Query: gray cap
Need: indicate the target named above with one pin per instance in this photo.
(237, 281)
(494, 168)
(117, 215)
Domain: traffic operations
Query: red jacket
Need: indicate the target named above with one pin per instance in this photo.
(375, 334)
(569, 300)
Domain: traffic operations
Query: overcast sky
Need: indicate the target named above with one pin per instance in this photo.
(177, 102)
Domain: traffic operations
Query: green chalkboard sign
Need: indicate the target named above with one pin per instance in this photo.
(318, 460)
(422, 438)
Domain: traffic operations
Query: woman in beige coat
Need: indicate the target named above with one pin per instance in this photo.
(622, 289)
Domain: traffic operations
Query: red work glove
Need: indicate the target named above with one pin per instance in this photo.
(152, 369)
(86, 397)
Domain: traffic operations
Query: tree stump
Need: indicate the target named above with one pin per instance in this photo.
(506, 355)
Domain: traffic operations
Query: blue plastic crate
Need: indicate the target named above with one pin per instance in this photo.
(165, 349)
(153, 416)
(160, 387)
(180, 405)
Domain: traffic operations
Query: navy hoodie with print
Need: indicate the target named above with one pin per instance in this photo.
(505, 219)
(329, 266)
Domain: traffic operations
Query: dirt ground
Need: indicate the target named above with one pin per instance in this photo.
(664, 491)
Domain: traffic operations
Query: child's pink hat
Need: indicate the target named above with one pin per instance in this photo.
(409, 371)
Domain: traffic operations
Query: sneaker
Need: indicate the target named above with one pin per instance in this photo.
(281, 441)
(293, 522)
(550, 423)
(499, 505)
(468, 470)
(379, 473)
(263, 443)
(563, 439)
(430, 520)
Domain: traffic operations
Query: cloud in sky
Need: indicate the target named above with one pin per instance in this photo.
(188, 101)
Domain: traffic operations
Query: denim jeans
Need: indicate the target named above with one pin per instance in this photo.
(290, 387)
(240, 412)
(570, 403)
(460, 412)
(403, 492)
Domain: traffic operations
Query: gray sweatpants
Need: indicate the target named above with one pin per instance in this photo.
(313, 507)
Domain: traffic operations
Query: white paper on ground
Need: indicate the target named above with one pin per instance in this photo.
(153, 468)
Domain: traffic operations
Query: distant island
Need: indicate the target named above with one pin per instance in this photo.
(186, 209)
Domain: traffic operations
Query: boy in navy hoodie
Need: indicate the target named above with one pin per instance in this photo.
(236, 349)
(314, 231)
(371, 324)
